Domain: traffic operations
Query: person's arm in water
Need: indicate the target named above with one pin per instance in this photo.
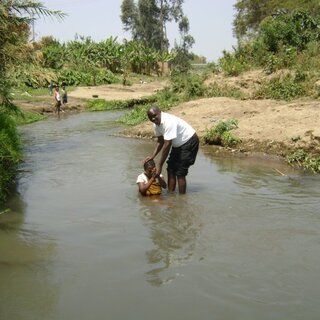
(163, 184)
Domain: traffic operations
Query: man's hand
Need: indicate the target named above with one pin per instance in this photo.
(147, 159)
(154, 173)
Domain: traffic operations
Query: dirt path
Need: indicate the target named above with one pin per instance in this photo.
(263, 125)
(117, 91)
(76, 98)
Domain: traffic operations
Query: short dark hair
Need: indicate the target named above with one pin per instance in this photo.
(153, 110)
(148, 164)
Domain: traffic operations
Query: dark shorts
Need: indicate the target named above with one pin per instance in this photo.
(182, 158)
(58, 105)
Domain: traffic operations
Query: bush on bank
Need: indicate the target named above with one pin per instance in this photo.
(10, 154)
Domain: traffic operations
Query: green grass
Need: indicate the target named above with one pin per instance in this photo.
(34, 94)
(27, 117)
(104, 105)
(304, 160)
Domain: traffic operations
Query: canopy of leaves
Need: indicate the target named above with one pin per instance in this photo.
(294, 30)
(250, 13)
(147, 19)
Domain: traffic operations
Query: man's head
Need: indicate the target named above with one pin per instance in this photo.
(154, 115)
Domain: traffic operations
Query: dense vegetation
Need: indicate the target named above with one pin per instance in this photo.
(14, 30)
(285, 45)
(27, 65)
(250, 13)
(280, 37)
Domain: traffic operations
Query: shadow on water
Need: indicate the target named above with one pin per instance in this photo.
(174, 223)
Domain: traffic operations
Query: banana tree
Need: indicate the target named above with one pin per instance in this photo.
(165, 56)
(15, 19)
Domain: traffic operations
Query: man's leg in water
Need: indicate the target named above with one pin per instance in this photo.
(171, 181)
(182, 184)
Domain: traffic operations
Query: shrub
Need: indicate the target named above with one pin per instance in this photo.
(195, 87)
(215, 90)
(32, 76)
(281, 88)
(191, 86)
(135, 116)
(295, 29)
(221, 135)
(166, 98)
(231, 64)
(304, 160)
(9, 153)
(71, 77)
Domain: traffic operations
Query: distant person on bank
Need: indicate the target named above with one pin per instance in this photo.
(57, 98)
(64, 95)
(178, 136)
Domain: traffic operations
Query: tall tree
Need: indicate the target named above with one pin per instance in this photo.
(129, 15)
(250, 13)
(148, 26)
(147, 20)
(183, 57)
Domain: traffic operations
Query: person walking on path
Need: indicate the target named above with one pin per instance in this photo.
(177, 135)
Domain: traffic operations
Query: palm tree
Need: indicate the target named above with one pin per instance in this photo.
(16, 17)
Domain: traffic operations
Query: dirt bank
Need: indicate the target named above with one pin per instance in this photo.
(77, 98)
(263, 125)
(269, 126)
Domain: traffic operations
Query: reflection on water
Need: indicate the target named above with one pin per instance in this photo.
(25, 261)
(80, 243)
(174, 224)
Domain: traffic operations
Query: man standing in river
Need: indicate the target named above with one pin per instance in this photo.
(178, 136)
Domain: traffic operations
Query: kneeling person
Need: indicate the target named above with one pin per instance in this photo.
(149, 182)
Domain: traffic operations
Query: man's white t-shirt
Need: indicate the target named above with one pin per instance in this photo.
(174, 128)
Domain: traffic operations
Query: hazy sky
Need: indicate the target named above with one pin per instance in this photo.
(210, 23)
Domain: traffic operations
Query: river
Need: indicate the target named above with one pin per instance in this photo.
(80, 243)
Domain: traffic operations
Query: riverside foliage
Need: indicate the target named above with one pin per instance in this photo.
(277, 40)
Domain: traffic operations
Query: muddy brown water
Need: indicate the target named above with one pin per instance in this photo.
(79, 243)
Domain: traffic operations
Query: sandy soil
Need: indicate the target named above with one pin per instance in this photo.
(263, 125)
(117, 91)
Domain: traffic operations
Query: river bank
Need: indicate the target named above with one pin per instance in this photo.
(268, 126)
